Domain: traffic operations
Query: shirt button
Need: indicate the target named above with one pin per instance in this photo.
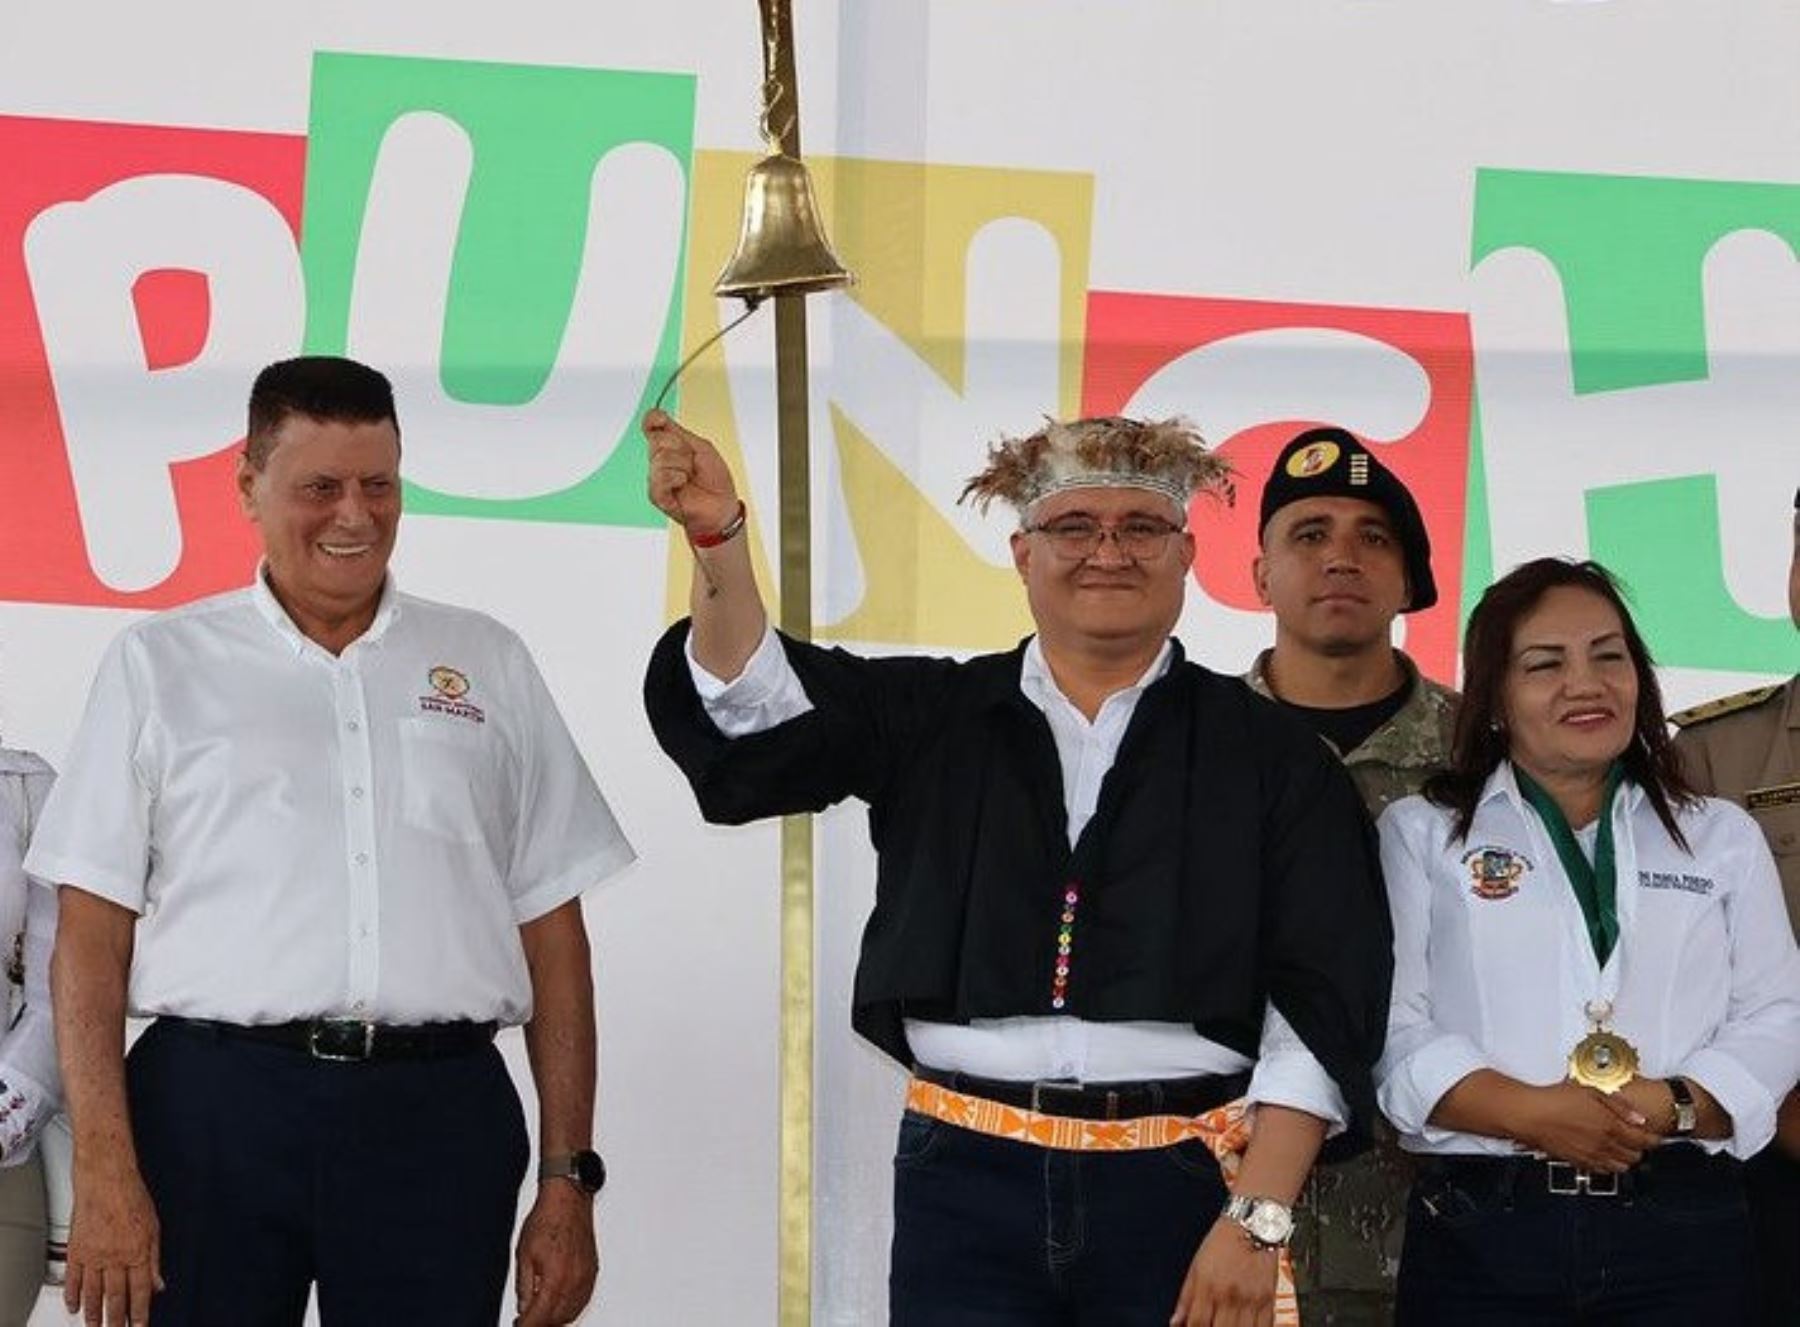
(356, 791)
(353, 725)
(357, 1005)
(362, 859)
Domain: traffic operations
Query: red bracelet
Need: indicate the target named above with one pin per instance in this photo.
(724, 533)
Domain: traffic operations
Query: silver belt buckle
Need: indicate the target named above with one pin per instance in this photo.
(1569, 1181)
(330, 1025)
(1043, 1085)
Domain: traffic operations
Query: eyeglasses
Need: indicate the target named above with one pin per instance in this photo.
(1141, 538)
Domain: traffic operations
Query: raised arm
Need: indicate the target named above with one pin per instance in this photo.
(691, 485)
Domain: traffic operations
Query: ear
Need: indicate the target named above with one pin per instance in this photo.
(247, 476)
(1259, 572)
(1021, 552)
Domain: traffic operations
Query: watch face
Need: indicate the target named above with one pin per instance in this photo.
(590, 1171)
(1270, 1223)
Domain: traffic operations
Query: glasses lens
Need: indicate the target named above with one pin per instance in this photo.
(1144, 540)
(1073, 539)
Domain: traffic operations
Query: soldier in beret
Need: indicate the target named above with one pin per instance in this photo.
(1343, 550)
(1747, 748)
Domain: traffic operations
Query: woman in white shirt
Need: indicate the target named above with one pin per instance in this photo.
(1596, 1001)
(30, 1086)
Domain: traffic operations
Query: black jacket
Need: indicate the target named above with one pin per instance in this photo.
(1229, 861)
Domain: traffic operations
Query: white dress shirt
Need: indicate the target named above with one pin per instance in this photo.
(30, 1086)
(1032, 1047)
(305, 834)
(1704, 979)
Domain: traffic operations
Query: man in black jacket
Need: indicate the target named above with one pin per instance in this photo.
(1127, 913)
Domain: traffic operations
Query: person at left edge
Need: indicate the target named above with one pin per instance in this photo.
(30, 1087)
(330, 837)
(1121, 902)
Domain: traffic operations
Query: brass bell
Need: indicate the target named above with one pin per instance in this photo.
(782, 249)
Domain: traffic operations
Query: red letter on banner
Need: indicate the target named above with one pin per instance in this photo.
(1251, 375)
(108, 337)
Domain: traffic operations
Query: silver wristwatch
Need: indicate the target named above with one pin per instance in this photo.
(1269, 1224)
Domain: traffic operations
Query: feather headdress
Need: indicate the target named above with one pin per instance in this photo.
(1164, 456)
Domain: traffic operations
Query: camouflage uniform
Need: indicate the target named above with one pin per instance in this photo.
(1346, 1244)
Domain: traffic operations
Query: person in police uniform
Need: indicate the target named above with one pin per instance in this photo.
(1343, 551)
(1747, 748)
(329, 836)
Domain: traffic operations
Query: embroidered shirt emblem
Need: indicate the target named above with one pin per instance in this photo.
(1494, 872)
(449, 688)
(1683, 881)
(448, 682)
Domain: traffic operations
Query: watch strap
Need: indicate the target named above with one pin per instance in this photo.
(1687, 1114)
(584, 1169)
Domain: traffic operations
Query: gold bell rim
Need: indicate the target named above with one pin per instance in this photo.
(796, 285)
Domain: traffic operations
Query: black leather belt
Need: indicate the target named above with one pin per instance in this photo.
(1097, 1101)
(1681, 1165)
(350, 1040)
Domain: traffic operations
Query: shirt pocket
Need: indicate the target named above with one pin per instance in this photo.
(450, 783)
(1781, 827)
(1681, 911)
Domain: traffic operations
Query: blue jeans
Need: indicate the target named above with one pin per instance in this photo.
(994, 1233)
(1488, 1245)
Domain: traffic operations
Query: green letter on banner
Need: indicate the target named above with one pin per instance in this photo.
(1629, 253)
(507, 159)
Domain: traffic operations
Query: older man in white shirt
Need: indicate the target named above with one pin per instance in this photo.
(330, 836)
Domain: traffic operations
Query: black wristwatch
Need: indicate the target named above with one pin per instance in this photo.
(584, 1169)
(1687, 1116)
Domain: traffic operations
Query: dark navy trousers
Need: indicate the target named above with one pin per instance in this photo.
(392, 1185)
(1487, 1245)
(1772, 1179)
(989, 1232)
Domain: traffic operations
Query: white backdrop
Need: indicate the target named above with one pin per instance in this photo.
(1546, 250)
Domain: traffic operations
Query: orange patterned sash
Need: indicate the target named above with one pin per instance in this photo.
(1224, 1129)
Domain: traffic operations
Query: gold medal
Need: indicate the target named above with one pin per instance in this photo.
(1603, 1060)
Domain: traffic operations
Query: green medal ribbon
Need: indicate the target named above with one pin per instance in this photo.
(1596, 885)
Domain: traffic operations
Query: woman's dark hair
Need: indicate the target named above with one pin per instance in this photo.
(1480, 742)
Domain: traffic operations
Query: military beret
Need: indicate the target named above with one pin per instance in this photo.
(1331, 463)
